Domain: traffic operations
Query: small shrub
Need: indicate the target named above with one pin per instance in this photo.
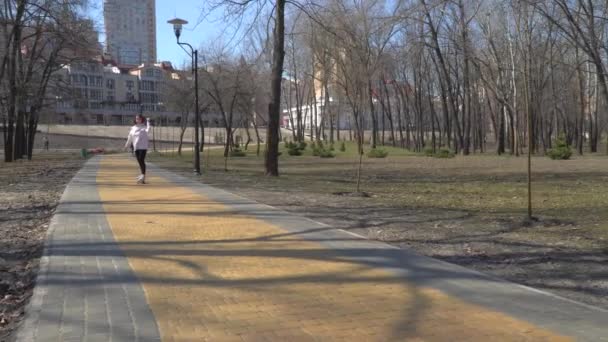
(377, 153)
(561, 151)
(237, 152)
(295, 149)
(316, 151)
(320, 144)
(343, 147)
(331, 147)
(445, 153)
(326, 154)
(429, 152)
(294, 152)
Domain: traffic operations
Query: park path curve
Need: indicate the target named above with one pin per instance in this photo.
(177, 260)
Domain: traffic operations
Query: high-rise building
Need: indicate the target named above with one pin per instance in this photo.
(130, 30)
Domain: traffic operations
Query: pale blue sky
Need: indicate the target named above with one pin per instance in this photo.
(195, 34)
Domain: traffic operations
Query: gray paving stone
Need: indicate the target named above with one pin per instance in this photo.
(85, 289)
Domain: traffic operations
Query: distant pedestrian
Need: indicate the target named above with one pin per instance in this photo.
(138, 140)
(45, 140)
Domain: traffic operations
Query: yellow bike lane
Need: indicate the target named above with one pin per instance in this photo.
(211, 273)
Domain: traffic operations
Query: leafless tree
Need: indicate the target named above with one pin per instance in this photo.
(39, 37)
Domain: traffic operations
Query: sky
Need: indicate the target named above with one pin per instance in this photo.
(196, 32)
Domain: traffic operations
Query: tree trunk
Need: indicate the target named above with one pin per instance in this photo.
(390, 114)
(257, 137)
(466, 105)
(501, 130)
(31, 132)
(372, 114)
(248, 135)
(9, 155)
(382, 136)
(399, 120)
(182, 131)
(581, 118)
(327, 113)
(274, 108)
(19, 147)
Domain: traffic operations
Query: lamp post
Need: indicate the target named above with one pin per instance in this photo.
(177, 28)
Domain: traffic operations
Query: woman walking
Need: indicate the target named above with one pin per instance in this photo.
(138, 140)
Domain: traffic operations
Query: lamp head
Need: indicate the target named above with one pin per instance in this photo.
(177, 26)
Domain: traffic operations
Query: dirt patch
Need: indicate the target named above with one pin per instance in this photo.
(469, 211)
(30, 192)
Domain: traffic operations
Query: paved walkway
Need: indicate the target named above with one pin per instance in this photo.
(176, 260)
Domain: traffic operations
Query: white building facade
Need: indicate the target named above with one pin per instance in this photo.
(97, 94)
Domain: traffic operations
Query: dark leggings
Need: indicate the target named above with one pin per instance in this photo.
(141, 159)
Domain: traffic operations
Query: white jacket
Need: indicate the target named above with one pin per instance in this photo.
(138, 136)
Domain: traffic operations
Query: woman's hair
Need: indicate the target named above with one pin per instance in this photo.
(143, 118)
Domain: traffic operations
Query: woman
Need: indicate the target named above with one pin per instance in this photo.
(138, 139)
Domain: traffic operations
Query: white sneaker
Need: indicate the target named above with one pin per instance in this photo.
(140, 179)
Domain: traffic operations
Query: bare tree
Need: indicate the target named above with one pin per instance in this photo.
(180, 98)
(222, 84)
(40, 37)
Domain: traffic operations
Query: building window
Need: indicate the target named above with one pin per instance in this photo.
(83, 80)
(80, 104)
(96, 94)
(80, 93)
(147, 85)
(149, 73)
(130, 85)
(110, 83)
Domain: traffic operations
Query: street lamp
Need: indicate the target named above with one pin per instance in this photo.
(177, 28)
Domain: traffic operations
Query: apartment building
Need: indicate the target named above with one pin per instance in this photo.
(131, 31)
(96, 94)
(152, 79)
